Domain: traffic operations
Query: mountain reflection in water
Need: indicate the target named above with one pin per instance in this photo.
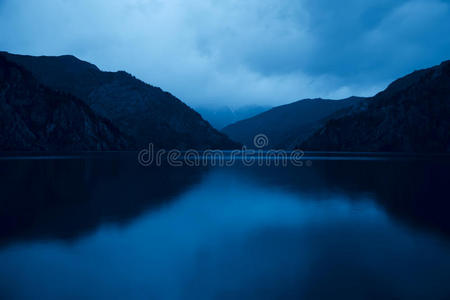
(109, 228)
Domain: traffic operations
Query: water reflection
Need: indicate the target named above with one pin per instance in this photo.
(414, 191)
(350, 230)
(44, 199)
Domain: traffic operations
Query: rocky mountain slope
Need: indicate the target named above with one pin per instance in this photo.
(286, 125)
(144, 112)
(411, 115)
(35, 118)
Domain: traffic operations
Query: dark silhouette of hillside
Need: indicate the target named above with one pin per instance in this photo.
(411, 115)
(286, 125)
(36, 118)
(144, 112)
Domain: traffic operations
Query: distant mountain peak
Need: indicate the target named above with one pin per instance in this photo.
(35, 118)
(64, 62)
(284, 125)
(411, 115)
(140, 110)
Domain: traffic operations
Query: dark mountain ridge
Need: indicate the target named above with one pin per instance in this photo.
(411, 115)
(35, 118)
(144, 112)
(287, 124)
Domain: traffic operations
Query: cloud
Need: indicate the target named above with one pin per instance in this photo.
(234, 52)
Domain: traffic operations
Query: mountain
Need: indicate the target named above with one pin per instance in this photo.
(411, 115)
(144, 112)
(287, 124)
(36, 118)
(223, 116)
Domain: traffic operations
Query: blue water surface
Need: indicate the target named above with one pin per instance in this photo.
(108, 228)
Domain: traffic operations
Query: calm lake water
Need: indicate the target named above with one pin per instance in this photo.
(108, 228)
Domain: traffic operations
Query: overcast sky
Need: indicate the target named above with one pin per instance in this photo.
(238, 52)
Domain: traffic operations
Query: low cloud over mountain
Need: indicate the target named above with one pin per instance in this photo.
(239, 52)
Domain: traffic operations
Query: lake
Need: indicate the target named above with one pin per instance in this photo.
(105, 227)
